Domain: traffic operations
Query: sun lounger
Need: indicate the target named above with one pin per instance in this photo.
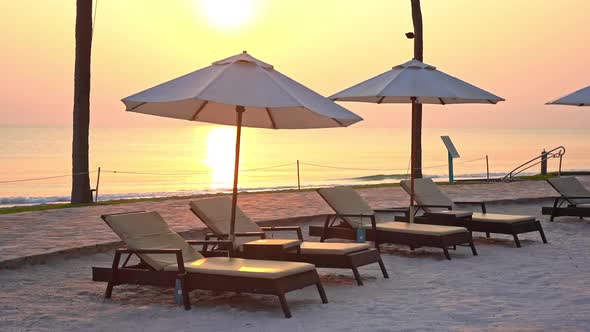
(215, 213)
(574, 196)
(168, 259)
(441, 210)
(353, 212)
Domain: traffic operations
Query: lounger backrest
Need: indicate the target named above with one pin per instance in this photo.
(148, 230)
(570, 186)
(346, 200)
(426, 192)
(215, 212)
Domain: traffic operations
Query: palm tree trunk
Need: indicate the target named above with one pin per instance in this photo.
(417, 109)
(80, 178)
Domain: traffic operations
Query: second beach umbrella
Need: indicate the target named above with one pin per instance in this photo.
(576, 98)
(417, 83)
(244, 92)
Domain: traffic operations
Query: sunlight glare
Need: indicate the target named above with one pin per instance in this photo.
(227, 13)
(220, 156)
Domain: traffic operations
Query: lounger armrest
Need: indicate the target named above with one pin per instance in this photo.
(354, 215)
(393, 209)
(576, 197)
(177, 252)
(482, 204)
(422, 206)
(283, 229)
(206, 242)
(262, 235)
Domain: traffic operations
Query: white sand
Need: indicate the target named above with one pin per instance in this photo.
(537, 287)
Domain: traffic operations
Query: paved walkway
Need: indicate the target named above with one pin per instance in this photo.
(32, 236)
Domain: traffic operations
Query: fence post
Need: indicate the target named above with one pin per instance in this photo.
(97, 184)
(298, 177)
(488, 167)
(544, 162)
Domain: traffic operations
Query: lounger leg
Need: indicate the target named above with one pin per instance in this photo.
(488, 235)
(542, 233)
(472, 245)
(446, 251)
(185, 298)
(113, 281)
(357, 276)
(284, 305)
(383, 269)
(322, 292)
(516, 240)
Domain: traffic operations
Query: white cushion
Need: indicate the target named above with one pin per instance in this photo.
(332, 248)
(148, 230)
(215, 212)
(346, 200)
(500, 218)
(426, 192)
(423, 229)
(456, 213)
(239, 267)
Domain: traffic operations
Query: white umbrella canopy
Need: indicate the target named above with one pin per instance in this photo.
(417, 83)
(415, 79)
(577, 98)
(241, 91)
(270, 99)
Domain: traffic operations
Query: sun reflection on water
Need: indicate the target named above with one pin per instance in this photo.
(220, 156)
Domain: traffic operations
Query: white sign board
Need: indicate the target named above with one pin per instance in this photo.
(450, 146)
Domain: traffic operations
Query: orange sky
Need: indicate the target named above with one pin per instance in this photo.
(525, 51)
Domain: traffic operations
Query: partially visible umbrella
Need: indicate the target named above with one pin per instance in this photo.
(245, 92)
(577, 98)
(417, 83)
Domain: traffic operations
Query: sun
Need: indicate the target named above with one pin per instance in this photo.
(228, 13)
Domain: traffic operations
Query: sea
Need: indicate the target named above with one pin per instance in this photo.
(35, 162)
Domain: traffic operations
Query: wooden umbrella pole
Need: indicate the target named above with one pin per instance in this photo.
(239, 112)
(412, 161)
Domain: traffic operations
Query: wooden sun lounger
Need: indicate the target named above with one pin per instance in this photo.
(206, 273)
(439, 209)
(573, 202)
(214, 213)
(352, 205)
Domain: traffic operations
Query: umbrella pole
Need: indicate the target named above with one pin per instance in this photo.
(239, 112)
(412, 162)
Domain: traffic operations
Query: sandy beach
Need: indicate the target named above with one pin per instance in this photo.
(540, 287)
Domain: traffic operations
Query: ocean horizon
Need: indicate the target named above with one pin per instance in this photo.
(148, 162)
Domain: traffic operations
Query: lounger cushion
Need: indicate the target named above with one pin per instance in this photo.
(586, 205)
(148, 230)
(422, 229)
(215, 212)
(570, 186)
(456, 213)
(426, 192)
(332, 248)
(238, 267)
(501, 218)
(346, 200)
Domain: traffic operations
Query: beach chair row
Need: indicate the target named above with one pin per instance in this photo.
(225, 263)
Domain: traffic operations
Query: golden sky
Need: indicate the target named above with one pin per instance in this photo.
(525, 51)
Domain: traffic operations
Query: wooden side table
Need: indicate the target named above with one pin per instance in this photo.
(270, 249)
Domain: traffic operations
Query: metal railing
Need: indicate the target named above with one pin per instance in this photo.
(557, 152)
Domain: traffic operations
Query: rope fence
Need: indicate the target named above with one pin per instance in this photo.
(185, 173)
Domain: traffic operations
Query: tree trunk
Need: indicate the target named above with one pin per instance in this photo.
(417, 110)
(80, 177)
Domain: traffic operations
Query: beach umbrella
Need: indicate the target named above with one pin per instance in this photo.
(241, 91)
(417, 83)
(577, 98)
